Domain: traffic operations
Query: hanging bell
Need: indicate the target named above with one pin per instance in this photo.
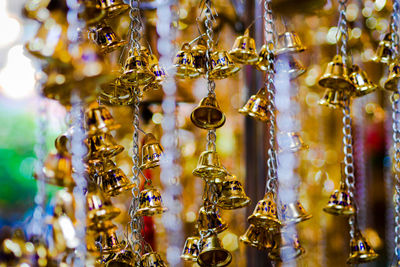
(257, 237)
(360, 80)
(384, 51)
(150, 202)
(152, 259)
(285, 248)
(100, 226)
(289, 42)
(112, 7)
(294, 212)
(360, 250)
(199, 56)
(264, 58)
(332, 99)
(290, 142)
(222, 65)
(98, 119)
(98, 208)
(184, 63)
(257, 106)
(340, 202)
(64, 234)
(64, 204)
(265, 214)
(209, 167)
(114, 180)
(151, 152)
(208, 115)
(392, 82)
(191, 249)
(290, 65)
(57, 170)
(158, 71)
(106, 39)
(232, 195)
(115, 93)
(124, 258)
(212, 253)
(244, 50)
(210, 219)
(109, 242)
(136, 70)
(336, 76)
(102, 146)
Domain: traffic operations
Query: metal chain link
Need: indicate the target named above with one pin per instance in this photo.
(343, 28)
(135, 26)
(394, 28)
(395, 98)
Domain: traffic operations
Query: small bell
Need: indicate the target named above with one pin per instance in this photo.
(257, 237)
(360, 80)
(98, 119)
(384, 51)
(244, 50)
(257, 106)
(265, 214)
(199, 56)
(232, 195)
(64, 203)
(98, 208)
(289, 42)
(184, 63)
(124, 258)
(285, 248)
(210, 219)
(115, 93)
(57, 170)
(136, 70)
(360, 250)
(336, 76)
(191, 249)
(222, 65)
(209, 167)
(392, 82)
(103, 146)
(158, 71)
(212, 253)
(109, 242)
(290, 142)
(106, 39)
(150, 202)
(64, 234)
(264, 58)
(332, 99)
(112, 7)
(293, 68)
(152, 259)
(114, 180)
(294, 212)
(208, 115)
(151, 152)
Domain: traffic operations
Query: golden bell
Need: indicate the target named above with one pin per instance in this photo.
(384, 51)
(285, 248)
(64, 203)
(265, 214)
(136, 71)
(340, 202)
(102, 146)
(112, 7)
(98, 119)
(257, 237)
(392, 82)
(360, 80)
(360, 250)
(210, 219)
(289, 42)
(152, 259)
(244, 50)
(263, 58)
(208, 115)
(114, 180)
(115, 93)
(290, 142)
(199, 56)
(212, 253)
(98, 207)
(158, 71)
(294, 212)
(232, 195)
(184, 63)
(257, 106)
(150, 202)
(57, 170)
(209, 167)
(294, 68)
(332, 99)
(151, 152)
(222, 65)
(64, 234)
(109, 242)
(336, 76)
(191, 248)
(124, 258)
(106, 39)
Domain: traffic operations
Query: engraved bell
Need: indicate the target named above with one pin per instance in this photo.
(151, 152)
(191, 248)
(244, 50)
(106, 39)
(184, 63)
(265, 214)
(150, 202)
(257, 106)
(294, 212)
(210, 219)
(232, 195)
(222, 65)
(392, 82)
(360, 250)
(136, 70)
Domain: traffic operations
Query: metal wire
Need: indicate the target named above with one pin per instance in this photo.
(394, 28)
(343, 28)
(135, 26)
(395, 98)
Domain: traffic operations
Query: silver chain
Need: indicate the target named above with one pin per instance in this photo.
(343, 28)
(396, 163)
(136, 25)
(394, 27)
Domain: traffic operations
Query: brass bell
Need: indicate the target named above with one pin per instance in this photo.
(244, 50)
(294, 212)
(109, 242)
(136, 70)
(184, 63)
(151, 152)
(285, 248)
(340, 202)
(115, 93)
(98, 119)
(265, 214)
(199, 56)
(98, 207)
(212, 253)
(102, 146)
(191, 248)
(208, 115)
(57, 170)
(106, 39)
(289, 42)
(210, 219)
(114, 180)
(150, 202)
(360, 80)
(64, 233)
(384, 51)
(264, 58)
(158, 71)
(257, 237)
(232, 195)
(290, 142)
(222, 65)
(392, 82)
(209, 167)
(332, 99)
(100, 226)
(293, 68)
(152, 259)
(336, 76)
(257, 106)
(112, 7)
(360, 250)
(124, 258)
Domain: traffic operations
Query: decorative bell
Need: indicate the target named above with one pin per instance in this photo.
(332, 99)
(384, 51)
(289, 42)
(232, 195)
(103, 146)
(124, 258)
(336, 76)
(64, 203)
(360, 250)
(294, 213)
(114, 180)
(199, 56)
(136, 70)
(152, 259)
(109, 242)
(112, 7)
(244, 50)
(257, 106)
(265, 214)
(290, 142)
(99, 209)
(158, 71)
(208, 115)
(264, 57)
(293, 68)
(210, 219)
(184, 63)
(191, 249)
(340, 202)
(393, 79)
(150, 202)
(115, 93)
(360, 80)
(57, 170)
(101, 226)
(64, 233)
(285, 248)
(222, 65)
(209, 167)
(99, 120)
(212, 253)
(106, 39)
(151, 152)
(257, 237)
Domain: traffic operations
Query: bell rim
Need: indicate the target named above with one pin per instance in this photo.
(297, 73)
(273, 255)
(150, 211)
(236, 53)
(325, 82)
(226, 205)
(371, 256)
(115, 10)
(216, 75)
(130, 81)
(188, 257)
(254, 115)
(365, 90)
(104, 213)
(264, 220)
(339, 211)
(290, 50)
(150, 165)
(248, 242)
(207, 126)
(325, 103)
(200, 172)
(296, 220)
(105, 49)
(119, 190)
(219, 229)
(382, 60)
(226, 262)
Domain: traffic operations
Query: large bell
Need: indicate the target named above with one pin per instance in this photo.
(294, 212)
(290, 142)
(184, 63)
(106, 39)
(291, 66)
(257, 106)
(289, 42)
(102, 146)
(340, 202)
(212, 253)
(332, 99)
(57, 170)
(151, 152)
(152, 259)
(210, 219)
(244, 50)
(199, 56)
(222, 65)
(360, 80)
(191, 248)
(136, 70)
(384, 51)
(208, 115)
(265, 214)
(257, 237)
(392, 82)
(264, 58)
(336, 76)
(360, 250)
(98, 119)
(209, 167)
(150, 202)
(115, 93)
(112, 7)
(232, 195)
(124, 258)
(98, 208)
(64, 234)
(114, 180)
(285, 248)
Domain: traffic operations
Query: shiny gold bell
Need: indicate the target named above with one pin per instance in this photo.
(332, 99)
(98, 207)
(257, 106)
(209, 167)
(222, 65)
(109, 242)
(158, 71)
(191, 248)
(289, 42)
(210, 219)
(98, 119)
(124, 258)
(106, 39)
(392, 82)
(384, 51)
(150, 202)
(285, 248)
(257, 237)
(212, 253)
(152, 259)
(184, 63)
(294, 212)
(336, 76)
(264, 58)
(114, 180)
(199, 56)
(265, 214)
(290, 65)
(360, 250)
(64, 203)
(232, 195)
(115, 93)
(102, 146)
(208, 115)
(64, 233)
(151, 152)
(57, 170)
(136, 70)
(244, 50)
(290, 142)
(360, 80)
(112, 7)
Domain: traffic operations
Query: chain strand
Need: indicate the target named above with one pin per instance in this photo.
(135, 26)
(395, 98)
(394, 28)
(343, 28)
